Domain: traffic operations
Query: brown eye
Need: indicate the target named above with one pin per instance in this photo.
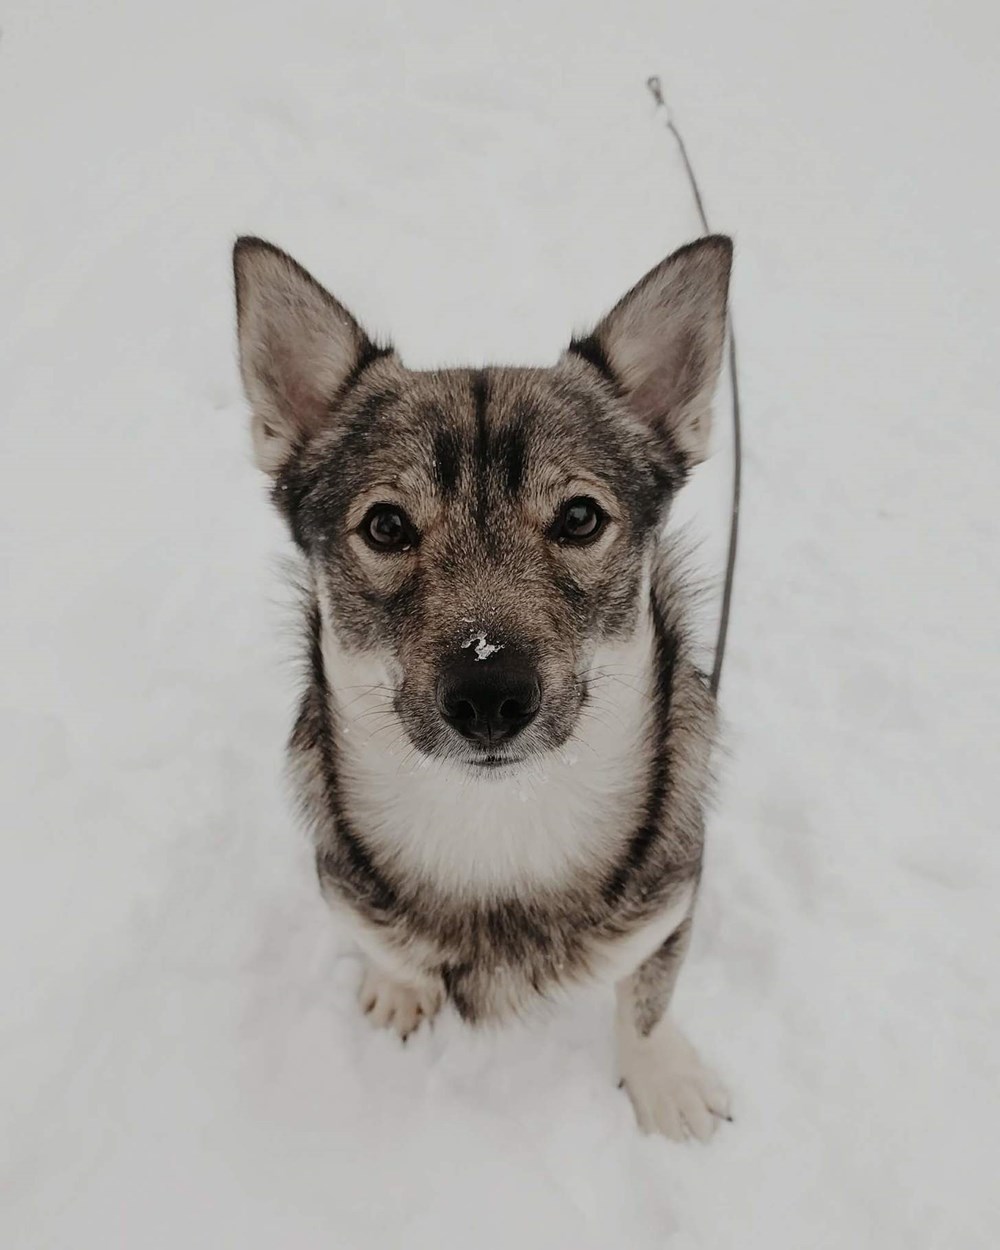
(387, 528)
(579, 521)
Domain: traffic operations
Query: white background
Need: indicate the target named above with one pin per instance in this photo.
(182, 1062)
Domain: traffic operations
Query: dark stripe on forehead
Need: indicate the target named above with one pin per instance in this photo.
(511, 451)
(480, 402)
(446, 461)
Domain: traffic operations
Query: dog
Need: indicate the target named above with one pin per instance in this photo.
(503, 745)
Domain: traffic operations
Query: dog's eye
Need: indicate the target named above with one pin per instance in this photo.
(387, 528)
(579, 521)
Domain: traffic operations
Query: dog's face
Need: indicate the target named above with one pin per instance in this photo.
(478, 534)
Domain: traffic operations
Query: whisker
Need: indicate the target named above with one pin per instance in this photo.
(387, 712)
(643, 694)
(607, 674)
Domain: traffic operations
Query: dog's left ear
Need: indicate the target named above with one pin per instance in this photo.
(662, 344)
(298, 347)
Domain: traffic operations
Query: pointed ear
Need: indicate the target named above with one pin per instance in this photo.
(662, 344)
(298, 347)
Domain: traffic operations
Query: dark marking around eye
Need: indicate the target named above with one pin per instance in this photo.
(446, 461)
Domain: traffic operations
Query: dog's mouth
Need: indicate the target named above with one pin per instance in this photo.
(497, 764)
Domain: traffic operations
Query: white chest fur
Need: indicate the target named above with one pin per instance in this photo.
(571, 809)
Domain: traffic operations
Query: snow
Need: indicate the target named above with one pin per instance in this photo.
(484, 649)
(182, 1062)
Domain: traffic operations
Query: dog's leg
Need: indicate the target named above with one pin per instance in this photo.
(671, 1091)
(391, 1004)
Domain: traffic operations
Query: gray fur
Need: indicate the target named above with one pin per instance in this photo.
(482, 461)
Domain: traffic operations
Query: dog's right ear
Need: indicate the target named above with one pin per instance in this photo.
(298, 349)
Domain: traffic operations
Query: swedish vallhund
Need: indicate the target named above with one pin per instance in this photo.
(503, 745)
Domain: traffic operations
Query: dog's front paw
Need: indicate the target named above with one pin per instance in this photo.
(671, 1091)
(388, 1004)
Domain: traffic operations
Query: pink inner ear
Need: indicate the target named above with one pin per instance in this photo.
(299, 400)
(674, 379)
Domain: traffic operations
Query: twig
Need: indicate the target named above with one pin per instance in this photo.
(656, 91)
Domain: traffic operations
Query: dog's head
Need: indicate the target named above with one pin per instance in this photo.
(479, 533)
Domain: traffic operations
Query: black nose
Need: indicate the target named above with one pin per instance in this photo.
(489, 700)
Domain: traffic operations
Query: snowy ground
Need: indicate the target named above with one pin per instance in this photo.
(182, 1064)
